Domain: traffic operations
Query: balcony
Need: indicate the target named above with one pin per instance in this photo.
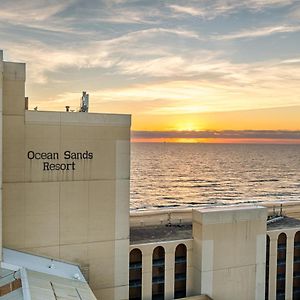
(180, 277)
(281, 277)
(158, 279)
(281, 262)
(180, 259)
(158, 297)
(159, 262)
(296, 275)
(135, 283)
(281, 247)
(135, 265)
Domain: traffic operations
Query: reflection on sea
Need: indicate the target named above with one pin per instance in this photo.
(186, 175)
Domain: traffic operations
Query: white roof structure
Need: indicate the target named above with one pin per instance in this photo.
(30, 277)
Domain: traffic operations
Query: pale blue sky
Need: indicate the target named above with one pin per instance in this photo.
(156, 57)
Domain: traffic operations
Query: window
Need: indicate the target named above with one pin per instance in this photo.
(180, 271)
(135, 274)
(158, 273)
(281, 267)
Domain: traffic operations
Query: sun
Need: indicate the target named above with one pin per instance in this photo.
(187, 126)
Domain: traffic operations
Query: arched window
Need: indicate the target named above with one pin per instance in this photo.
(296, 279)
(267, 267)
(180, 271)
(281, 267)
(158, 273)
(135, 274)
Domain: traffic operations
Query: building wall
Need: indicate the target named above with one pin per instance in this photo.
(229, 243)
(273, 235)
(80, 215)
(1, 120)
(147, 256)
(13, 89)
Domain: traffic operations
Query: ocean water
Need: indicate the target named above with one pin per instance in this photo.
(187, 175)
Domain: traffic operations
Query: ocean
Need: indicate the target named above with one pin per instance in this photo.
(165, 175)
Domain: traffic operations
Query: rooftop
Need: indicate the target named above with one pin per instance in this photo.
(158, 233)
(282, 223)
(24, 276)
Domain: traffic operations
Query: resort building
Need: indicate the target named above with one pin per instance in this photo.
(67, 231)
(65, 185)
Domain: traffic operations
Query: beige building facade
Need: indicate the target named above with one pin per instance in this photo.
(65, 184)
(223, 257)
(230, 253)
(65, 181)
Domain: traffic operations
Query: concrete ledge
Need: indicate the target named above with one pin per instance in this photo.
(227, 215)
(200, 297)
(76, 118)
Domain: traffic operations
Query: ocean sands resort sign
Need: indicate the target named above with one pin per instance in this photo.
(51, 160)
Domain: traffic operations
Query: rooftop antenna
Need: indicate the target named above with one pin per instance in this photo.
(84, 105)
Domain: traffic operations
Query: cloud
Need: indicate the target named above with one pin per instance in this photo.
(43, 60)
(189, 10)
(259, 32)
(291, 61)
(122, 15)
(153, 58)
(36, 15)
(22, 11)
(275, 86)
(180, 80)
(225, 134)
(295, 13)
(213, 9)
(119, 52)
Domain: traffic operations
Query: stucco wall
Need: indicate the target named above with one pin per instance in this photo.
(229, 253)
(169, 248)
(1, 120)
(80, 215)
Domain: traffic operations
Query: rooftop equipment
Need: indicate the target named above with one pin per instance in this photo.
(26, 103)
(84, 105)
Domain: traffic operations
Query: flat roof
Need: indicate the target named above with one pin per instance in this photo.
(76, 118)
(159, 233)
(283, 223)
(229, 208)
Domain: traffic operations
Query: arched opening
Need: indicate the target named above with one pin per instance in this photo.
(158, 273)
(296, 275)
(281, 267)
(135, 274)
(180, 271)
(267, 267)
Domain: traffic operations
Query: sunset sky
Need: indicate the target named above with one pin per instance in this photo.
(187, 71)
